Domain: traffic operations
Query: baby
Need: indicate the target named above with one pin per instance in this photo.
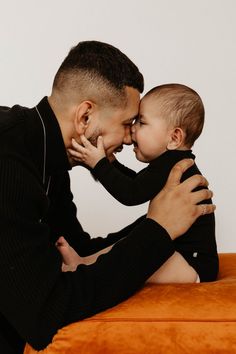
(171, 118)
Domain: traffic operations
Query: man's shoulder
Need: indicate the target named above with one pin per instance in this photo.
(12, 133)
(10, 117)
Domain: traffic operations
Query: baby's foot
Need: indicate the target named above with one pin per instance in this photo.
(70, 257)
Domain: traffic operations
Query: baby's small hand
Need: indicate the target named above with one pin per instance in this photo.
(87, 153)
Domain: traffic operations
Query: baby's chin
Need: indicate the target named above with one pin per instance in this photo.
(140, 158)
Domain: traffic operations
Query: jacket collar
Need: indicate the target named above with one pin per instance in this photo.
(56, 160)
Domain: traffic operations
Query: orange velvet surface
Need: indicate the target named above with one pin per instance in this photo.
(168, 319)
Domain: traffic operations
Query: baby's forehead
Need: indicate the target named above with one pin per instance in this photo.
(151, 106)
(151, 99)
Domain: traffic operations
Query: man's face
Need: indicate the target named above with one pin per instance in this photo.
(113, 124)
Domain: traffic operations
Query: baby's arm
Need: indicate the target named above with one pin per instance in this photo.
(124, 184)
(175, 270)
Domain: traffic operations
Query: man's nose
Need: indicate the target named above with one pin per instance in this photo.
(132, 128)
(127, 137)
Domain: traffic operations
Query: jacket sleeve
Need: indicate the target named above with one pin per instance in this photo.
(131, 189)
(62, 219)
(36, 297)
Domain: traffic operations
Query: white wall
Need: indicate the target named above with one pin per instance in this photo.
(187, 41)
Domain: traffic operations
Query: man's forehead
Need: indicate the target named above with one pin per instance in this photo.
(133, 99)
(128, 113)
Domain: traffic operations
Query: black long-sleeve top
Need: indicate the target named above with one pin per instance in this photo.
(198, 244)
(36, 298)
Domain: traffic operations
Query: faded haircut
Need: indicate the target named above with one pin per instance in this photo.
(99, 72)
(182, 107)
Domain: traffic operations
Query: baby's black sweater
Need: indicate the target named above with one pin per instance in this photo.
(198, 244)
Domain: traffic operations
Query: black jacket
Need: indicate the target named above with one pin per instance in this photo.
(36, 298)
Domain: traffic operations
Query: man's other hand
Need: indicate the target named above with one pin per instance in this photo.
(175, 207)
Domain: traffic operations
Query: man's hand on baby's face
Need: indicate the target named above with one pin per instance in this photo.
(176, 207)
(87, 153)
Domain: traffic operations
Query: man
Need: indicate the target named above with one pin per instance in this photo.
(95, 92)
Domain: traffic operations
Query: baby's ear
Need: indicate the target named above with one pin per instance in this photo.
(176, 139)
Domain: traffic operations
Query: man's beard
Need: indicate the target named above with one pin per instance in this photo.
(93, 138)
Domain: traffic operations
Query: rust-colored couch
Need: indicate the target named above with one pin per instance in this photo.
(160, 319)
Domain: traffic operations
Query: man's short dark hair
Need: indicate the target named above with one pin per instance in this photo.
(93, 65)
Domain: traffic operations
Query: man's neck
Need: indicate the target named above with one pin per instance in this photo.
(64, 117)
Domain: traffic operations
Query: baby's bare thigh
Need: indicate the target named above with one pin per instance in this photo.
(175, 270)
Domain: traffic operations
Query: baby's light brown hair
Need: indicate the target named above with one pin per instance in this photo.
(182, 107)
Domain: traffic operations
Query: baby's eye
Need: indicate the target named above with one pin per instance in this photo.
(139, 121)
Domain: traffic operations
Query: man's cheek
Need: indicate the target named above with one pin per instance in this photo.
(107, 144)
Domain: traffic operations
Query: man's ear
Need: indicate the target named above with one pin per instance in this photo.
(176, 139)
(82, 114)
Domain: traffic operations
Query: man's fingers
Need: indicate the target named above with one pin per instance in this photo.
(201, 195)
(194, 182)
(204, 209)
(177, 171)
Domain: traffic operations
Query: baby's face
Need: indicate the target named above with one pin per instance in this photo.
(151, 132)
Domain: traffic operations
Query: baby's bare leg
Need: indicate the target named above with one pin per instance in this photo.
(71, 259)
(93, 257)
(175, 270)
